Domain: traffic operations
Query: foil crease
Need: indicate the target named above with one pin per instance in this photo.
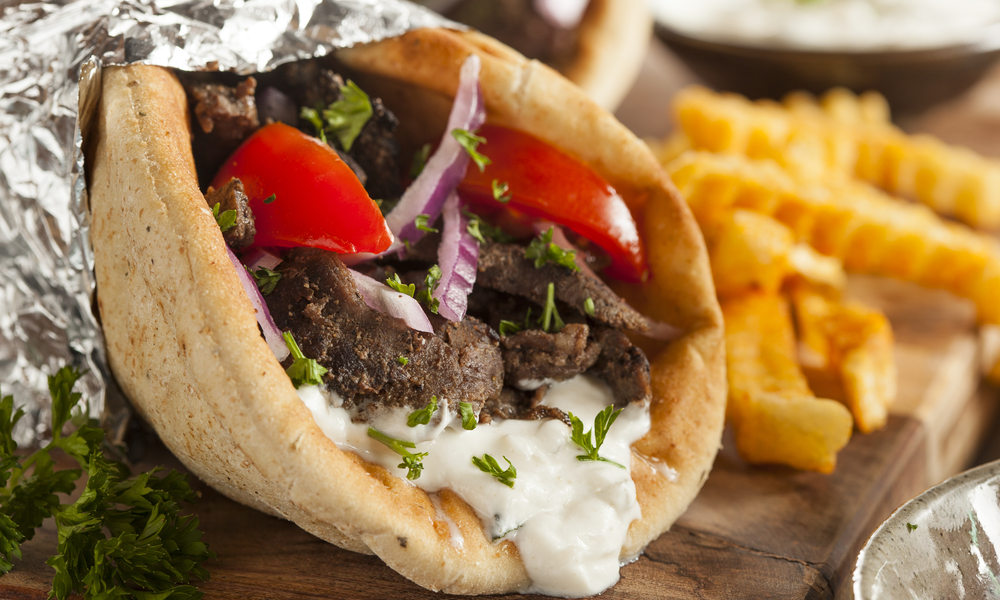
(51, 54)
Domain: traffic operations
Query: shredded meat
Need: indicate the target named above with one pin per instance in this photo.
(232, 197)
(318, 302)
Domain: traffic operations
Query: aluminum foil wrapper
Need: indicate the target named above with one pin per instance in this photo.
(51, 54)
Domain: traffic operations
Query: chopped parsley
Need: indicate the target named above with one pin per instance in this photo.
(403, 360)
(304, 371)
(395, 283)
(344, 118)
(266, 279)
(501, 191)
(483, 231)
(588, 306)
(421, 223)
(226, 220)
(123, 537)
(910, 527)
(550, 315)
(542, 250)
(509, 327)
(602, 423)
(468, 416)
(419, 160)
(270, 198)
(431, 282)
(412, 462)
(422, 416)
(470, 142)
(488, 464)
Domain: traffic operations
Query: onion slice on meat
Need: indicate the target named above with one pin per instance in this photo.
(458, 254)
(258, 257)
(446, 167)
(271, 332)
(388, 301)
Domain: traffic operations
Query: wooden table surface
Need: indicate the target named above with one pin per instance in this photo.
(753, 532)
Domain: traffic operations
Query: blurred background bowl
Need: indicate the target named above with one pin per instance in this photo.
(911, 80)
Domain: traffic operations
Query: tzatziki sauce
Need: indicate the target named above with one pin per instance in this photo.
(834, 25)
(568, 518)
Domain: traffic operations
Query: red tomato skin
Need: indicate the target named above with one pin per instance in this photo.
(545, 183)
(318, 200)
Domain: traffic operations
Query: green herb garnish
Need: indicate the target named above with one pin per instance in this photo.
(483, 231)
(542, 250)
(123, 537)
(602, 423)
(488, 464)
(419, 160)
(422, 416)
(304, 371)
(588, 306)
(421, 223)
(344, 118)
(509, 327)
(550, 315)
(468, 416)
(501, 191)
(431, 282)
(395, 283)
(911, 527)
(403, 360)
(411, 461)
(266, 279)
(270, 198)
(226, 220)
(470, 142)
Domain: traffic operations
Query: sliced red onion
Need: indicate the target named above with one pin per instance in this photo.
(259, 257)
(561, 13)
(445, 168)
(388, 301)
(458, 254)
(274, 105)
(271, 332)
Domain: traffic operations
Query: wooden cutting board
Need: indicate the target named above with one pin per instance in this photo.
(753, 532)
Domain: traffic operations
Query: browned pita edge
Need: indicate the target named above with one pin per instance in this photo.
(613, 39)
(184, 344)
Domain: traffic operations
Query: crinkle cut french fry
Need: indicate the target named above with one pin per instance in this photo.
(869, 231)
(748, 251)
(846, 354)
(775, 417)
(848, 138)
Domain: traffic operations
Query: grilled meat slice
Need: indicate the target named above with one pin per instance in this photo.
(232, 197)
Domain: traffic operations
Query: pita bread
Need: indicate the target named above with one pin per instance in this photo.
(184, 344)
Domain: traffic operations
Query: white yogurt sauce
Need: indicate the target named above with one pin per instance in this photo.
(568, 518)
(851, 25)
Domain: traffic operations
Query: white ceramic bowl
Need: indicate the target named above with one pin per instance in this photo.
(942, 544)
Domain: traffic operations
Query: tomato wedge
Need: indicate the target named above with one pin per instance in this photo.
(545, 183)
(303, 194)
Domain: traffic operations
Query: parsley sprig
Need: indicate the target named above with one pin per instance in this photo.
(470, 142)
(431, 282)
(266, 279)
(550, 318)
(344, 118)
(501, 191)
(602, 423)
(483, 231)
(488, 464)
(422, 416)
(226, 220)
(397, 284)
(123, 537)
(412, 462)
(421, 223)
(304, 371)
(468, 416)
(542, 251)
